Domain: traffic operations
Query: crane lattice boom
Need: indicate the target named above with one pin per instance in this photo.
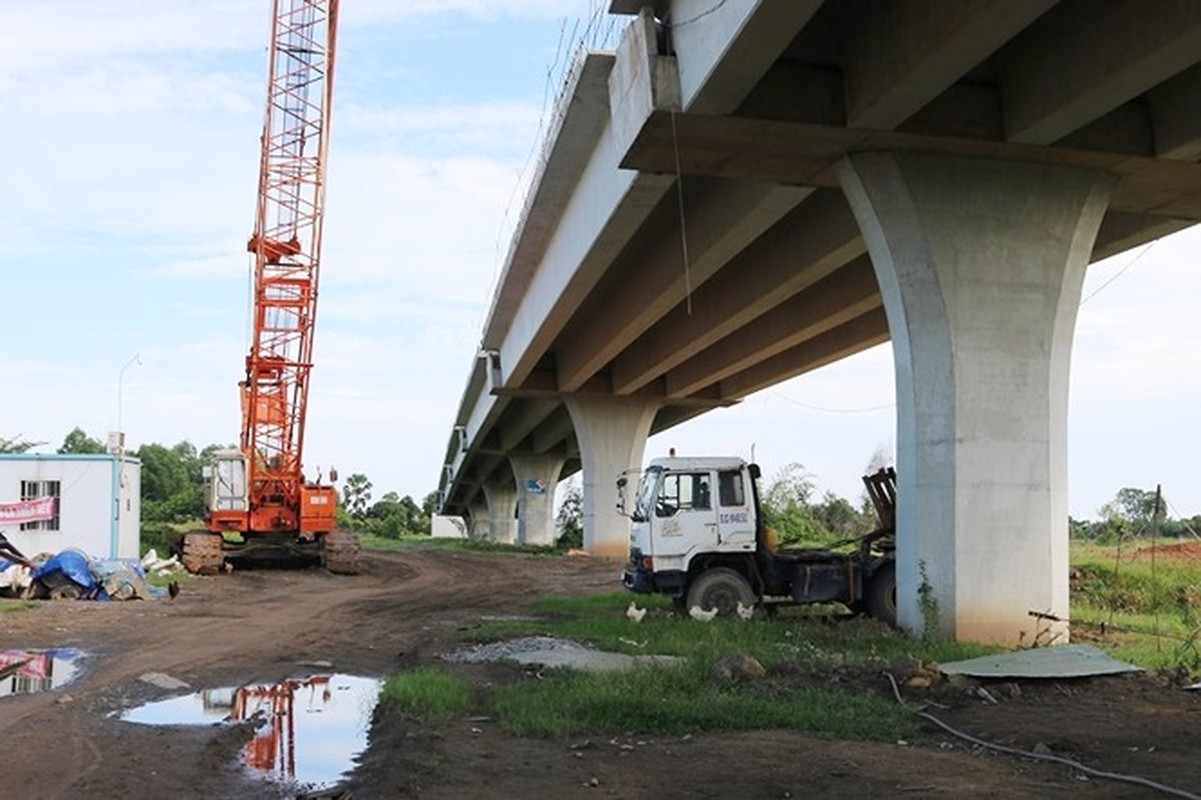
(287, 245)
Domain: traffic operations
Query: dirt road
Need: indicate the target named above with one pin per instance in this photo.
(406, 609)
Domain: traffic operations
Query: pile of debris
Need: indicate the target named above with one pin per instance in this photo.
(74, 575)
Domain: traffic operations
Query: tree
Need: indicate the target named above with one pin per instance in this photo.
(356, 494)
(172, 482)
(786, 506)
(840, 518)
(1134, 506)
(569, 520)
(17, 445)
(77, 441)
(386, 506)
(793, 485)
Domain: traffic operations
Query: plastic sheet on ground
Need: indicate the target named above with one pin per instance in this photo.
(1061, 661)
(73, 574)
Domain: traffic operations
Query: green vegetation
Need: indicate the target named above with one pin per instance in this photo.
(799, 650)
(1141, 609)
(413, 541)
(8, 605)
(791, 511)
(428, 694)
(820, 678)
(686, 699)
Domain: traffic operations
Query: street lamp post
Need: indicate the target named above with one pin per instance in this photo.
(137, 359)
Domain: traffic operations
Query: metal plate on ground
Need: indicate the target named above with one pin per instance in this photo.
(1062, 661)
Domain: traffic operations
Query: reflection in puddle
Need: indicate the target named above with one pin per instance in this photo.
(33, 671)
(310, 729)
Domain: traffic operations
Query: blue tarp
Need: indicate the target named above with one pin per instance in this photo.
(97, 579)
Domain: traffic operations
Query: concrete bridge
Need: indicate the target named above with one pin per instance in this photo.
(747, 190)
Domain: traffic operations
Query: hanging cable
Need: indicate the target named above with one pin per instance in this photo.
(1120, 272)
(832, 410)
(675, 146)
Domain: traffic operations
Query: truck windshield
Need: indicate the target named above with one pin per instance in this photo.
(648, 487)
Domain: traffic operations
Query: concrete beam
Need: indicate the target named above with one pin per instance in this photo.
(862, 332)
(897, 57)
(720, 218)
(1085, 58)
(1121, 231)
(1174, 116)
(552, 433)
(724, 49)
(832, 302)
(808, 243)
(805, 154)
(580, 115)
(607, 205)
(524, 418)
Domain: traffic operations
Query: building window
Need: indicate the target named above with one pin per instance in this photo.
(31, 490)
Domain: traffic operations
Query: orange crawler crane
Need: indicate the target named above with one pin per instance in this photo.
(259, 505)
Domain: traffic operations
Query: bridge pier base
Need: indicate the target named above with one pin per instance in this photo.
(612, 434)
(502, 512)
(980, 264)
(537, 476)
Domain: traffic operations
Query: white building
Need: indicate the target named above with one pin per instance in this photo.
(99, 506)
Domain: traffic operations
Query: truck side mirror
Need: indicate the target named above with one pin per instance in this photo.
(753, 469)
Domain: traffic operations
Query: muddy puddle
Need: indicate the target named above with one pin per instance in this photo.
(33, 671)
(309, 729)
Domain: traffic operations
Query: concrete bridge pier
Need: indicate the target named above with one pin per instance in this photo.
(537, 476)
(612, 434)
(502, 512)
(479, 525)
(980, 264)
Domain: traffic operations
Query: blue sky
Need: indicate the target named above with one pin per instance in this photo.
(131, 128)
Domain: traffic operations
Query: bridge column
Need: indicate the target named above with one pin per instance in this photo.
(537, 476)
(980, 264)
(479, 527)
(502, 512)
(612, 433)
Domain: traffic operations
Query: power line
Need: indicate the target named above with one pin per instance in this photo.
(832, 410)
(1120, 272)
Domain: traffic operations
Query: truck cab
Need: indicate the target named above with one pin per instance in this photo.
(697, 534)
(685, 509)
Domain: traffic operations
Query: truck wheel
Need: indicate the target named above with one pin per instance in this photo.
(721, 588)
(882, 594)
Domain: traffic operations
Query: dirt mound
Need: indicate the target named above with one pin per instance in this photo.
(1181, 551)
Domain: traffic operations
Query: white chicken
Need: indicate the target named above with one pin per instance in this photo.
(634, 613)
(745, 612)
(701, 615)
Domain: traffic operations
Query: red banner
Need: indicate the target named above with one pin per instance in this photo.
(27, 510)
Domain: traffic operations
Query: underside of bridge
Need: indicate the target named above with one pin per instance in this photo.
(749, 190)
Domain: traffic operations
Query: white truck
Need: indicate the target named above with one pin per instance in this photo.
(697, 533)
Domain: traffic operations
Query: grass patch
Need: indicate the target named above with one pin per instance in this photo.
(1146, 613)
(409, 541)
(9, 605)
(797, 637)
(428, 694)
(675, 700)
(799, 649)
